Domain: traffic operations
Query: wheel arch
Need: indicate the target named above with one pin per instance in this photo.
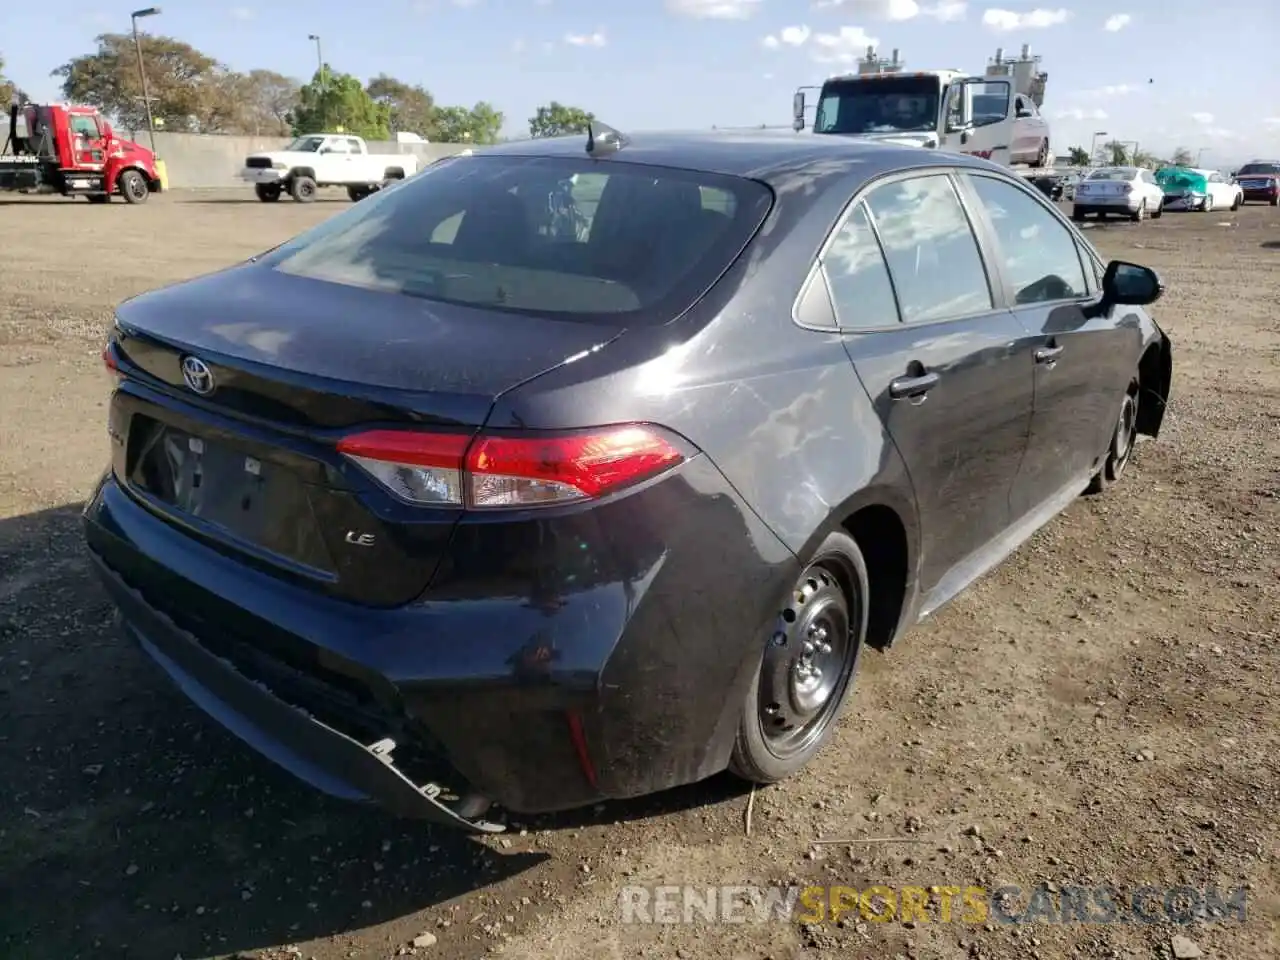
(393, 173)
(300, 172)
(1155, 376)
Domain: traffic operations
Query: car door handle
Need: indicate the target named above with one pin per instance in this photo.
(905, 388)
(1048, 354)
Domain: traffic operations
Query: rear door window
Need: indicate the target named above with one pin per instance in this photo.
(933, 255)
(547, 236)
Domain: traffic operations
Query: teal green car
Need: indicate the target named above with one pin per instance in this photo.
(1189, 188)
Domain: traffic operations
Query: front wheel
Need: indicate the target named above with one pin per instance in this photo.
(133, 187)
(1123, 439)
(1042, 158)
(1275, 201)
(267, 192)
(1207, 206)
(807, 667)
(303, 189)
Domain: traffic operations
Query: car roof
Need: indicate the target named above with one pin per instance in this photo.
(766, 155)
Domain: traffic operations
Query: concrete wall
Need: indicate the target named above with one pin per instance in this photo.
(201, 160)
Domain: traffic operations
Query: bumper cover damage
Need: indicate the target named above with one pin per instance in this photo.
(321, 756)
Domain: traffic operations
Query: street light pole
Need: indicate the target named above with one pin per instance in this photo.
(320, 71)
(142, 71)
(1093, 144)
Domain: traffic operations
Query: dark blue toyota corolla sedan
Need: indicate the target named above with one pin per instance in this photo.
(582, 468)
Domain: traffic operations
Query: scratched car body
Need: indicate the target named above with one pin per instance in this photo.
(470, 495)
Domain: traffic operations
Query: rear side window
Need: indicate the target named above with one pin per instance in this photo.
(858, 277)
(562, 237)
(933, 256)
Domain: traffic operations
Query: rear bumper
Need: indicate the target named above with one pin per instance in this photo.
(625, 687)
(318, 754)
(1106, 204)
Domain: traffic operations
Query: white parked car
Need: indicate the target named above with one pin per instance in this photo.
(1191, 188)
(1125, 191)
(324, 160)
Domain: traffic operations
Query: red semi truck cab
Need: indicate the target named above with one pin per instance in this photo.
(73, 151)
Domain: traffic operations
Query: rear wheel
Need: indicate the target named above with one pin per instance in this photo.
(1275, 201)
(303, 189)
(267, 192)
(807, 667)
(1042, 158)
(99, 198)
(1141, 213)
(1077, 215)
(1122, 442)
(1159, 210)
(1235, 203)
(133, 187)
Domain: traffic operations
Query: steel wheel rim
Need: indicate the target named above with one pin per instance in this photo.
(1124, 433)
(133, 186)
(806, 667)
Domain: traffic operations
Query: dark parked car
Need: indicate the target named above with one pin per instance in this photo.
(1260, 180)
(554, 476)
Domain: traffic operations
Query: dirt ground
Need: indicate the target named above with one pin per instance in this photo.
(1103, 709)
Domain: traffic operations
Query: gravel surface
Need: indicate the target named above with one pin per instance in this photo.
(1100, 710)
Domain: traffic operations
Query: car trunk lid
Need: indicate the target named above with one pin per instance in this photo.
(239, 385)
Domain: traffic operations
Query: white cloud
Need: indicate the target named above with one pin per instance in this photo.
(791, 36)
(714, 9)
(1272, 121)
(517, 45)
(1114, 90)
(847, 46)
(1202, 117)
(243, 14)
(465, 3)
(1075, 113)
(594, 39)
(875, 9)
(948, 11)
(1006, 21)
(1117, 22)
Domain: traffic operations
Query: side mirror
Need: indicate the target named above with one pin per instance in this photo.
(1130, 283)
(797, 111)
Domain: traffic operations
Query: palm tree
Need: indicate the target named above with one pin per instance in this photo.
(1079, 157)
(1143, 159)
(1116, 153)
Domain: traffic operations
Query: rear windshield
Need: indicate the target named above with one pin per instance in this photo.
(575, 238)
(1255, 168)
(1114, 173)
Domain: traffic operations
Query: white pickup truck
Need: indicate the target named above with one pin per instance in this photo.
(324, 160)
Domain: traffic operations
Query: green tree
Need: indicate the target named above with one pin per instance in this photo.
(1079, 157)
(1182, 157)
(1115, 153)
(478, 125)
(188, 88)
(1143, 159)
(8, 88)
(557, 120)
(333, 100)
(267, 101)
(412, 109)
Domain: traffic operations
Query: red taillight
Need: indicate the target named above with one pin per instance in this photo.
(109, 361)
(506, 471)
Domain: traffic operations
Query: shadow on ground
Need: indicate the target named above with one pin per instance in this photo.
(134, 826)
(254, 200)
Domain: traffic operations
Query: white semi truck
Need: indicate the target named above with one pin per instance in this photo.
(995, 115)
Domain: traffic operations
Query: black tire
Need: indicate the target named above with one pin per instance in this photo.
(1159, 211)
(1077, 215)
(1141, 213)
(99, 198)
(1275, 201)
(302, 189)
(133, 186)
(1235, 204)
(358, 193)
(267, 192)
(1208, 204)
(790, 707)
(1042, 157)
(1123, 438)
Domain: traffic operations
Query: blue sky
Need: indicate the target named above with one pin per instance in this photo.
(693, 63)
